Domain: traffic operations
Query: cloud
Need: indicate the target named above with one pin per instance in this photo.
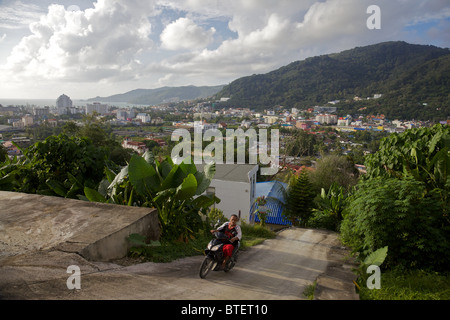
(273, 33)
(185, 34)
(19, 15)
(128, 44)
(270, 34)
(84, 45)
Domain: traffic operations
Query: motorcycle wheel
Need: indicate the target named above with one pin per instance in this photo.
(206, 267)
(230, 266)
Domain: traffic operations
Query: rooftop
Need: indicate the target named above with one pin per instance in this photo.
(232, 172)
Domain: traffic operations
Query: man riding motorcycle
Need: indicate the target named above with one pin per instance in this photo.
(233, 231)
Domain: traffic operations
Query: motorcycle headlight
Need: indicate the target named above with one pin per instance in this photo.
(216, 247)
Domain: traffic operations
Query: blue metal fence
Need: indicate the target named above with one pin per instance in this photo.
(271, 190)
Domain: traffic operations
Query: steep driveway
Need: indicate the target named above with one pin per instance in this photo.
(278, 269)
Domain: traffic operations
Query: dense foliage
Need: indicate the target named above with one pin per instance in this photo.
(60, 165)
(400, 214)
(161, 95)
(421, 152)
(403, 201)
(330, 207)
(101, 136)
(407, 75)
(334, 169)
(76, 167)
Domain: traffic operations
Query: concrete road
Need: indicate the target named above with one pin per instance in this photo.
(278, 269)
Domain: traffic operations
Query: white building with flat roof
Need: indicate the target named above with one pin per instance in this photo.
(144, 117)
(98, 107)
(326, 118)
(27, 120)
(234, 185)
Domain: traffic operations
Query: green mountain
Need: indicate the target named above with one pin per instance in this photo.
(413, 79)
(161, 95)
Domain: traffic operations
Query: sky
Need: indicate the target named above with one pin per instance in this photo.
(87, 48)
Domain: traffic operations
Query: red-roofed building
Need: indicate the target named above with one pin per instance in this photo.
(139, 147)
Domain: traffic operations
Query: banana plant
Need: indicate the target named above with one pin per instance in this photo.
(70, 188)
(332, 204)
(175, 190)
(334, 201)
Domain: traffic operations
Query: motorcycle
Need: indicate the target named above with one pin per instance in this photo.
(214, 255)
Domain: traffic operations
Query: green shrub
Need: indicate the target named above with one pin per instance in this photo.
(300, 201)
(322, 220)
(256, 230)
(216, 218)
(60, 165)
(401, 284)
(330, 210)
(402, 215)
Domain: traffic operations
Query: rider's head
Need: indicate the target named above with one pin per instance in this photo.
(234, 219)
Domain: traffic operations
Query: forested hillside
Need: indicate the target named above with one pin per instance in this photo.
(407, 75)
(161, 95)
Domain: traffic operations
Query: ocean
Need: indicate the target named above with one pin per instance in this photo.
(52, 103)
(36, 102)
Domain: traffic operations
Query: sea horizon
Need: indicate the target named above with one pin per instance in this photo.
(36, 102)
(52, 103)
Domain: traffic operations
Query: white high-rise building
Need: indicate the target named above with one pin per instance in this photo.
(121, 115)
(97, 107)
(145, 118)
(63, 104)
(326, 118)
(27, 120)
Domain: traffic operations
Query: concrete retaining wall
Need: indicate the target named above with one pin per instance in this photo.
(96, 231)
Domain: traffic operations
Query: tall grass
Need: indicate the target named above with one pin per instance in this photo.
(253, 235)
(401, 284)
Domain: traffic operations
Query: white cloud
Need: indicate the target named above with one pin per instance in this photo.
(185, 34)
(274, 33)
(84, 45)
(270, 34)
(19, 15)
(201, 42)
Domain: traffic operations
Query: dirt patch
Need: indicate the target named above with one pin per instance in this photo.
(336, 283)
(128, 261)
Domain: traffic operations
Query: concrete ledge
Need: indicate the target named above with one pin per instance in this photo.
(96, 231)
